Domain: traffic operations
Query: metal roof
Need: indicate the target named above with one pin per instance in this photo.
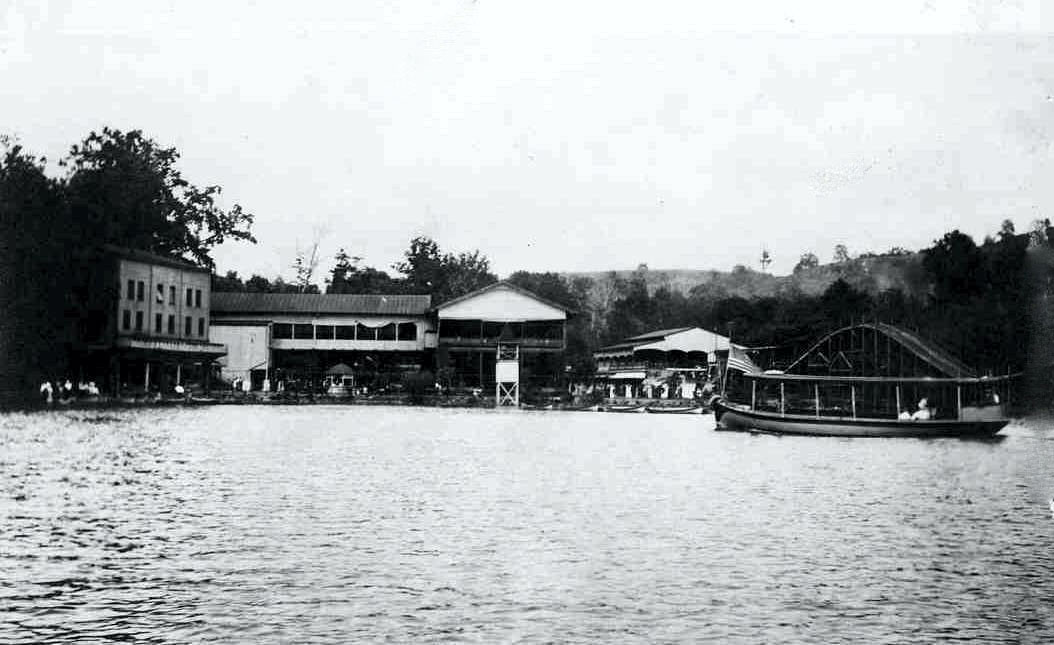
(320, 303)
(644, 339)
(508, 285)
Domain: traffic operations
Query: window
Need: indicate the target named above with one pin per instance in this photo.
(407, 331)
(172, 295)
(157, 323)
(362, 332)
(190, 297)
(161, 293)
(139, 321)
(303, 331)
(282, 330)
(171, 323)
(187, 322)
(139, 287)
(386, 332)
(324, 332)
(197, 298)
(131, 289)
(345, 332)
(201, 327)
(126, 319)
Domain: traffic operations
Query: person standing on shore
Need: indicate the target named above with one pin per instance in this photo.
(47, 392)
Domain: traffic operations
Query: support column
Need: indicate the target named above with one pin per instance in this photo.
(206, 368)
(146, 376)
(179, 373)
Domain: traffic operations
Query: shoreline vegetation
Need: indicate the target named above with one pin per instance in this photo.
(987, 303)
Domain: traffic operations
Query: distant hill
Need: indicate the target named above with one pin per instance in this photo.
(872, 274)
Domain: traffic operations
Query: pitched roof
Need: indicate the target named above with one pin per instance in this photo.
(506, 284)
(644, 339)
(320, 303)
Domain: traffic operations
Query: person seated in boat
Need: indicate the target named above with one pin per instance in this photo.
(923, 413)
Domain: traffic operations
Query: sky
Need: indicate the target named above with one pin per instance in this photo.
(562, 136)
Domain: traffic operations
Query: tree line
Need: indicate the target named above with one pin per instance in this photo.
(980, 301)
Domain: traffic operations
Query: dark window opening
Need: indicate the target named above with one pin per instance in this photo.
(282, 330)
(187, 326)
(172, 295)
(197, 298)
(172, 323)
(387, 332)
(407, 331)
(303, 331)
(324, 332)
(158, 323)
(365, 333)
(139, 287)
(161, 293)
(190, 297)
(131, 289)
(139, 321)
(201, 327)
(345, 332)
(126, 319)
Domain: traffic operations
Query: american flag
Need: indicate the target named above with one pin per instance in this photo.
(738, 360)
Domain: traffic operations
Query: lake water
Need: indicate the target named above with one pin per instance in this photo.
(341, 524)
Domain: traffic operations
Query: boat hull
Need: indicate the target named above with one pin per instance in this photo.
(674, 410)
(732, 417)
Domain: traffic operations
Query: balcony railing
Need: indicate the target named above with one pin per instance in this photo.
(476, 341)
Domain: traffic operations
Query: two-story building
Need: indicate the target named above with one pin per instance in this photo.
(144, 323)
(501, 333)
(274, 338)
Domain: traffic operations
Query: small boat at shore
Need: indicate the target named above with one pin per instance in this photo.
(675, 409)
(633, 407)
(864, 381)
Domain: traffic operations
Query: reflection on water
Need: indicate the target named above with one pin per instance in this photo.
(338, 524)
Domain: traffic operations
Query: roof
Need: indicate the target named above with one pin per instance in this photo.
(320, 303)
(508, 285)
(655, 337)
(152, 258)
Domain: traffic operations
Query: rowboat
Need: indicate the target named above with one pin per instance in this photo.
(633, 407)
(864, 381)
(674, 409)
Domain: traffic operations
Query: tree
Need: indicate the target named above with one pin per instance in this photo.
(305, 264)
(37, 246)
(125, 189)
(954, 264)
(444, 276)
(807, 261)
(348, 277)
(841, 253)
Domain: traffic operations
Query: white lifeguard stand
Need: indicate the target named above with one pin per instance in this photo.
(507, 375)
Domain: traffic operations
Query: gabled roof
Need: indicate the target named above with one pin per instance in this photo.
(655, 339)
(320, 303)
(503, 284)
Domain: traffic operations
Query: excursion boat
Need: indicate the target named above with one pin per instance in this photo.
(632, 407)
(866, 380)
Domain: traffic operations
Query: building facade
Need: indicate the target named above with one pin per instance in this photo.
(501, 331)
(666, 363)
(145, 324)
(276, 339)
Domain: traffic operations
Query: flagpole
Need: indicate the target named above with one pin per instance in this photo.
(724, 377)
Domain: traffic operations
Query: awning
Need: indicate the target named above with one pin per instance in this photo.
(627, 376)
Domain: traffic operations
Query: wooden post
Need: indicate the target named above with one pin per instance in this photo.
(816, 393)
(852, 395)
(179, 373)
(898, 402)
(753, 394)
(959, 401)
(782, 402)
(146, 376)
